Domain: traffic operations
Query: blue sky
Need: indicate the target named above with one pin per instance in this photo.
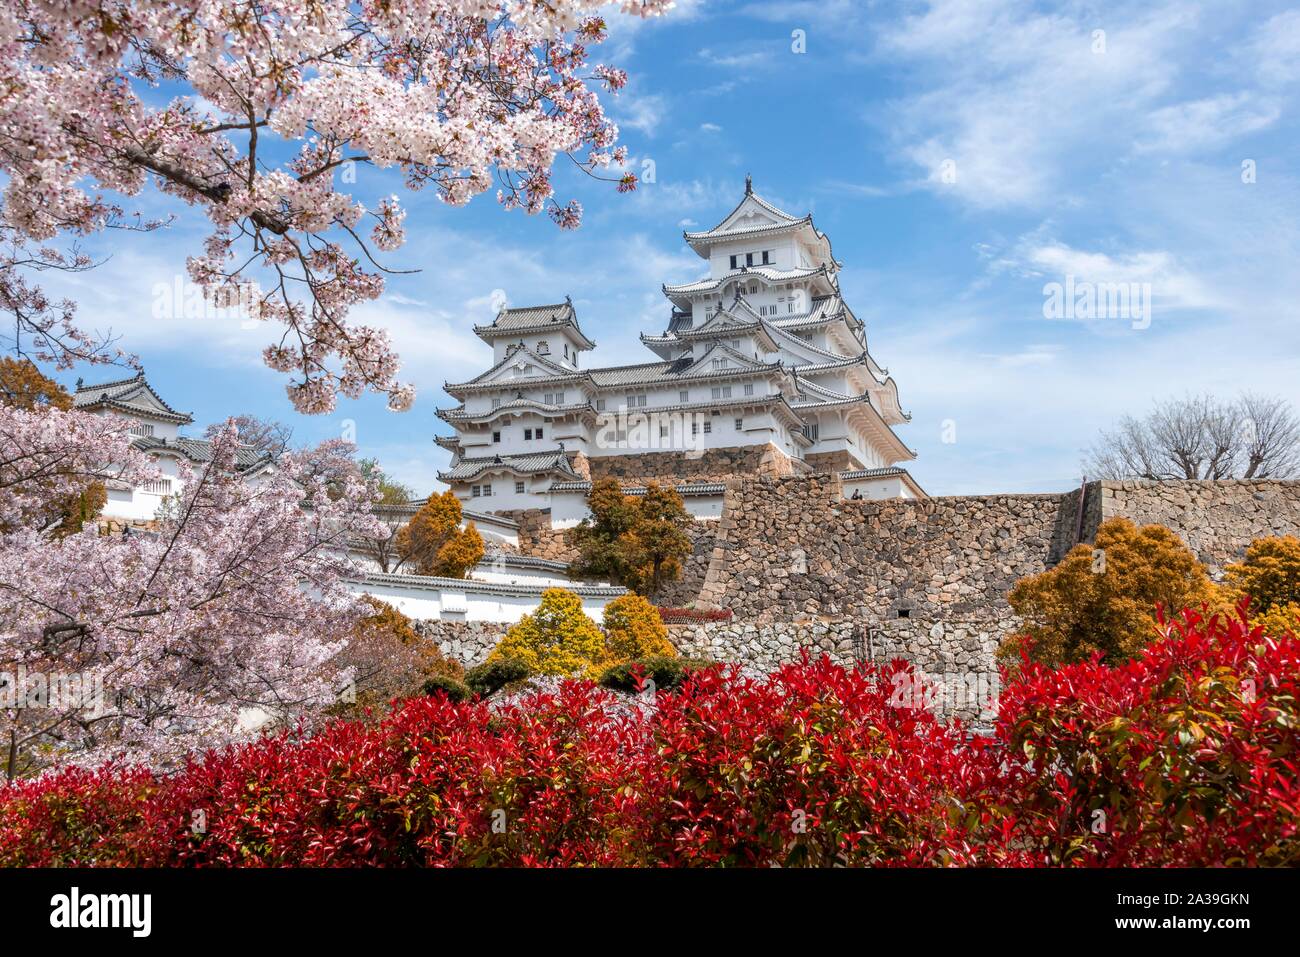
(1114, 156)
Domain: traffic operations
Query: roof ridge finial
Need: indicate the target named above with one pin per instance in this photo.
(749, 184)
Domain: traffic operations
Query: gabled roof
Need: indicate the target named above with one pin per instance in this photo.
(515, 357)
(753, 217)
(133, 396)
(530, 319)
(199, 451)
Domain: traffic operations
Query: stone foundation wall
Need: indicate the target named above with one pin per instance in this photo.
(536, 537)
(1217, 520)
(792, 548)
(687, 587)
(828, 461)
(675, 468)
(469, 642)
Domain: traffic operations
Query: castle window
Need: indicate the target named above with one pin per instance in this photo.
(749, 388)
(734, 263)
(528, 435)
(538, 432)
(487, 491)
(721, 363)
(519, 488)
(496, 436)
(475, 491)
(496, 403)
(600, 405)
(684, 395)
(812, 430)
(695, 428)
(766, 260)
(749, 259)
(722, 392)
(708, 427)
(142, 428)
(162, 486)
(635, 401)
(543, 348)
(740, 425)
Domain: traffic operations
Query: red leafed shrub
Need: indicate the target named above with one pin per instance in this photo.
(1189, 753)
(682, 616)
(814, 766)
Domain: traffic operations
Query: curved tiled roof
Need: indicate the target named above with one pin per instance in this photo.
(784, 223)
(515, 560)
(768, 274)
(689, 488)
(130, 396)
(514, 405)
(200, 451)
(470, 585)
(527, 319)
(531, 463)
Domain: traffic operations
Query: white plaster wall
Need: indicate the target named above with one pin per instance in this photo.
(437, 603)
(878, 488)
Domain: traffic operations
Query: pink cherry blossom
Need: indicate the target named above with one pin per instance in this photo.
(232, 606)
(462, 95)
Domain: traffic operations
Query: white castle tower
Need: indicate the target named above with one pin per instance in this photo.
(762, 367)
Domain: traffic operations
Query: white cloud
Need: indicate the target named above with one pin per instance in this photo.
(1013, 99)
(734, 59)
(642, 112)
(1172, 286)
(1208, 122)
(1275, 49)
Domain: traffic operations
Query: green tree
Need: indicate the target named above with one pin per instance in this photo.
(637, 541)
(391, 491)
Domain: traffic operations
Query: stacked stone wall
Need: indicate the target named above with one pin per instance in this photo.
(712, 465)
(468, 642)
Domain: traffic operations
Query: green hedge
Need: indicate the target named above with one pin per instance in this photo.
(455, 690)
(492, 676)
(667, 673)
